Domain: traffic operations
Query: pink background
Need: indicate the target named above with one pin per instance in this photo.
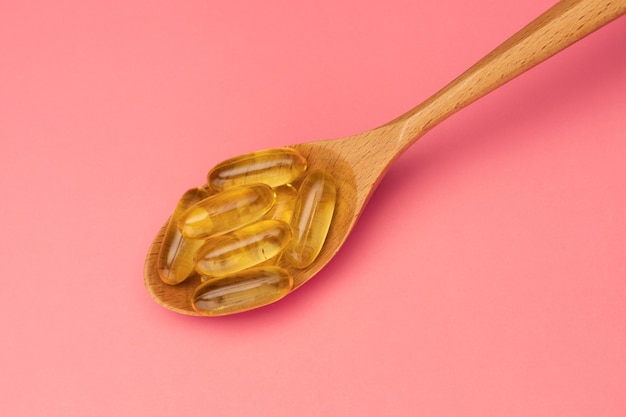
(487, 276)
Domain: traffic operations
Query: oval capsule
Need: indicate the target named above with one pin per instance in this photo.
(273, 167)
(311, 219)
(175, 261)
(246, 290)
(226, 211)
(242, 248)
(283, 206)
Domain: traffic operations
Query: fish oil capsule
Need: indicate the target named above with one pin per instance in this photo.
(273, 167)
(311, 219)
(270, 262)
(246, 290)
(284, 204)
(242, 248)
(175, 261)
(226, 211)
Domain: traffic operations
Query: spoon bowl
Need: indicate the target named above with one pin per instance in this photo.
(359, 162)
(320, 155)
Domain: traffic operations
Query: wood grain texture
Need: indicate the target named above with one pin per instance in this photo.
(359, 162)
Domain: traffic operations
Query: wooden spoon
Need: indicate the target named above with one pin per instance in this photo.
(359, 162)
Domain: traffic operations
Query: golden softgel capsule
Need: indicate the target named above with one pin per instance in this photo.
(283, 206)
(242, 248)
(311, 219)
(175, 261)
(246, 290)
(273, 167)
(226, 211)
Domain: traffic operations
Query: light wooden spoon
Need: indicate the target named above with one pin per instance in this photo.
(359, 162)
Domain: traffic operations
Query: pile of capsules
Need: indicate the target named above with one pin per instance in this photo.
(255, 210)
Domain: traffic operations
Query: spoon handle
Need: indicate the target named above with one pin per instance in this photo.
(560, 26)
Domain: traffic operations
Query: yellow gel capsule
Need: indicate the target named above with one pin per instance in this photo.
(311, 219)
(175, 261)
(246, 290)
(226, 211)
(269, 262)
(273, 167)
(243, 248)
(284, 204)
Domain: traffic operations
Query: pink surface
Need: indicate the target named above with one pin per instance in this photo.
(487, 277)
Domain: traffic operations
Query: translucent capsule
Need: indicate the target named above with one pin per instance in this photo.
(273, 167)
(175, 261)
(246, 290)
(311, 218)
(243, 248)
(226, 211)
(284, 204)
(270, 262)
